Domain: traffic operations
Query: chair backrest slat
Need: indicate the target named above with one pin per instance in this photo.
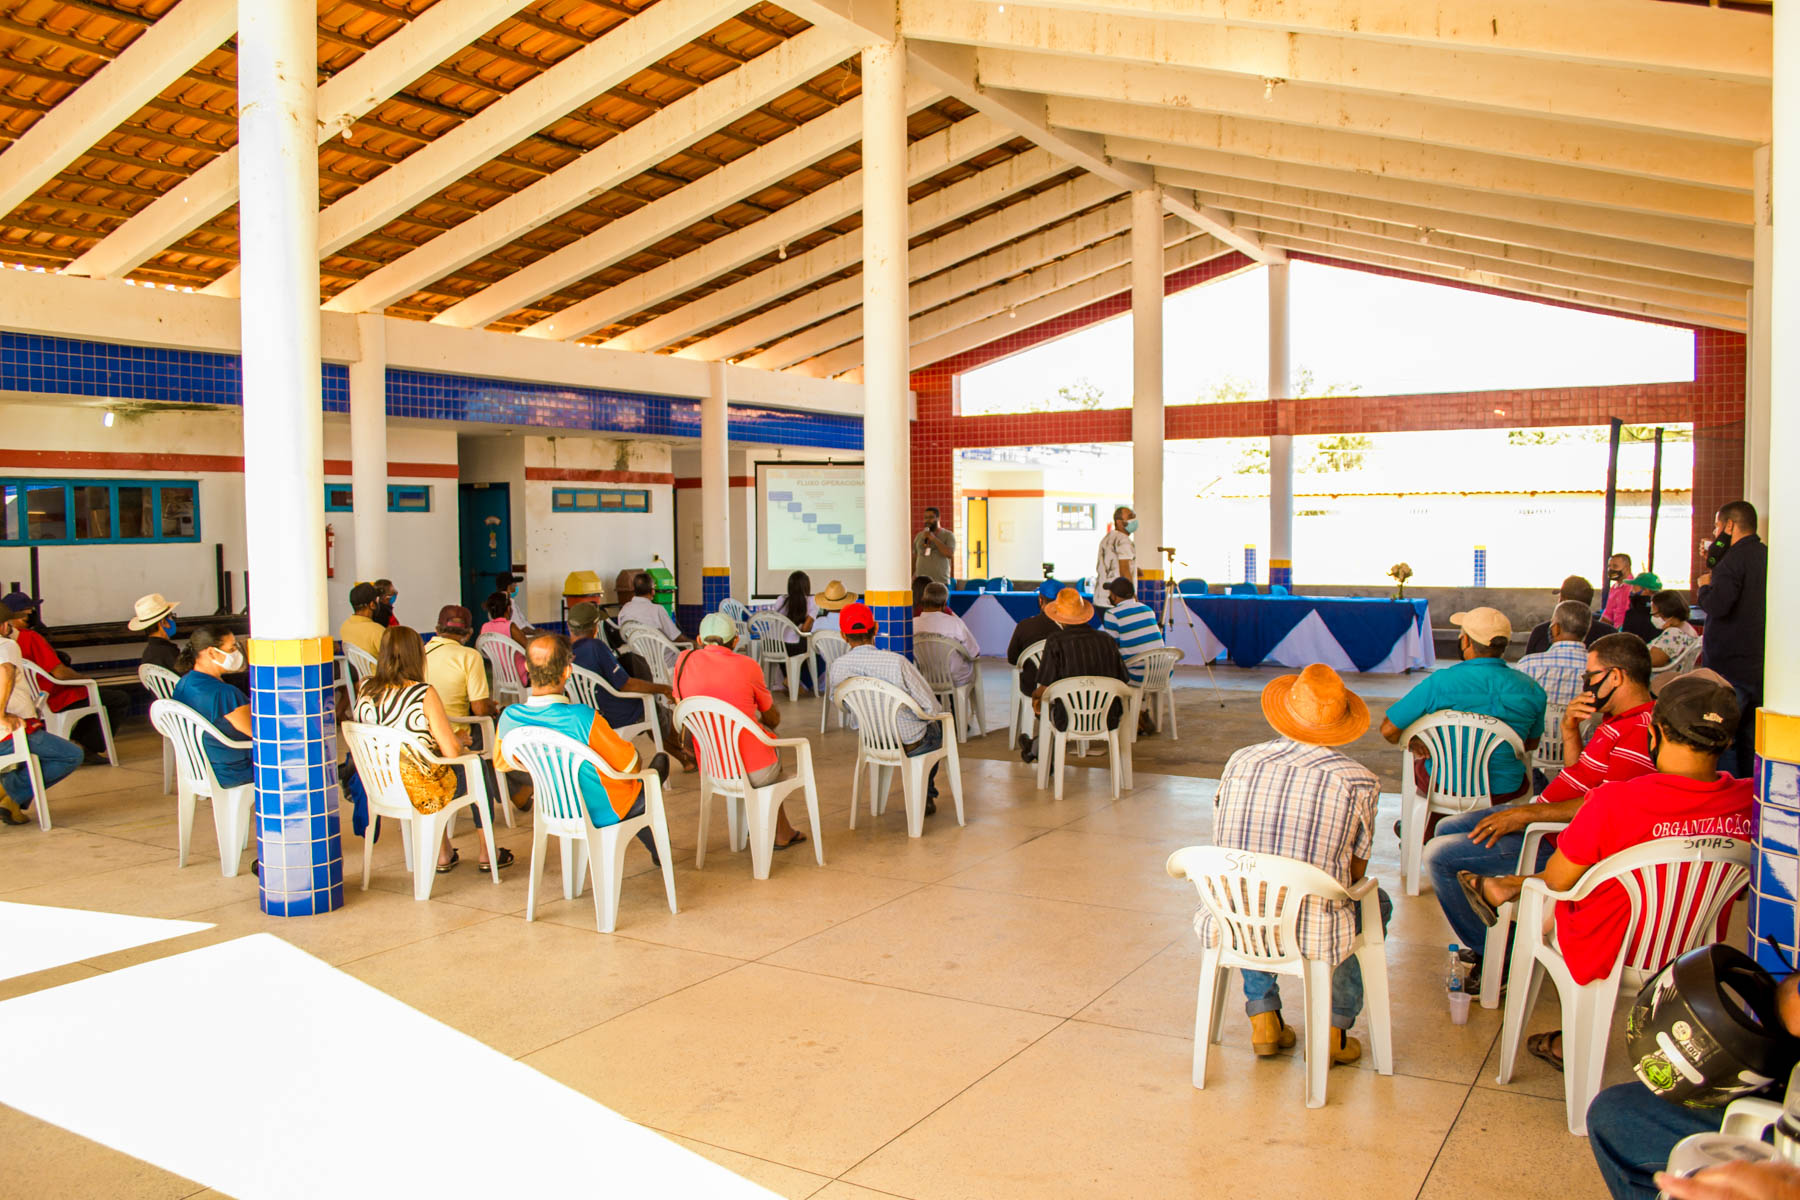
(1462, 746)
(1253, 900)
(507, 658)
(1087, 699)
(829, 647)
(655, 649)
(555, 761)
(936, 656)
(1677, 888)
(715, 728)
(876, 705)
(361, 665)
(770, 634)
(1156, 665)
(188, 732)
(160, 681)
(1031, 654)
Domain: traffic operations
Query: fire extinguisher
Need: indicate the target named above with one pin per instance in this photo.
(330, 553)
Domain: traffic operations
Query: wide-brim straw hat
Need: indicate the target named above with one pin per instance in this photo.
(1069, 608)
(151, 610)
(834, 597)
(1315, 707)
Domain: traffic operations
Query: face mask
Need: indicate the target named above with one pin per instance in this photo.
(168, 628)
(1659, 622)
(230, 663)
(393, 600)
(1615, 576)
(1593, 689)
(1653, 742)
(1131, 525)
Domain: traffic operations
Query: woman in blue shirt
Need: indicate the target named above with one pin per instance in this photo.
(211, 652)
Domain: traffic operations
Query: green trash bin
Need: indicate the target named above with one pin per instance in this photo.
(664, 579)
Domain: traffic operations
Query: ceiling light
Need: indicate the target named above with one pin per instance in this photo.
(781, 252)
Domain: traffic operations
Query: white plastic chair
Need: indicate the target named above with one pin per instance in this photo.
(160, 683)
(771, 632)
(1750, 1117)
(376, 749)
(16, 751)
(1677, 888)
(937, 656)
(655, 649)
(554, 762)
(739, 613)
(1023, 716)
(876, 706)
(715, 727)
(359, 664)
(188, 732)
(1461, 746)
(1087, 699)
(1158, 687)
(1681, 663)
(60, 723)
(1547, 756)
(487, 727)
(1493, 953)
(828, 647)
(586, 687)
(1254, 901)
(504, 655)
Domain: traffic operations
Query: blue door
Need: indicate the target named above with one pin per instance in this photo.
(486, 516)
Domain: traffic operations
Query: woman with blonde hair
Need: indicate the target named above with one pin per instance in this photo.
(396, 695)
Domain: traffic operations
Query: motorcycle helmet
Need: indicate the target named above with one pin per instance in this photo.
(1706, 1029)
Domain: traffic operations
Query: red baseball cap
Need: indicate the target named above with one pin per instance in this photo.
(857, 618)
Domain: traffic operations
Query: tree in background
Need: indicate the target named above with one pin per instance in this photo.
(1083, 394)
(1340, 452)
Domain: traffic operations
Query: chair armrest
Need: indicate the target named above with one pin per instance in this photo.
(1535, 833)
(796, 741)
(471, 760)
(486, 725)
(1750, 1117)
(1367, 894)
(1366, 886)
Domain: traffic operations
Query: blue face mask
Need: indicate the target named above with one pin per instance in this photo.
(1131, 525)
(168, 627)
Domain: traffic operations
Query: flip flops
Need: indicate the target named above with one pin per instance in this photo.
(793, 841)
(502, 858)
(1540, 1046)
(444, 868)
(1478, 903)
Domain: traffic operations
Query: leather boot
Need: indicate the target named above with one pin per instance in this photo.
(1343, 1047)
(1270, 1034)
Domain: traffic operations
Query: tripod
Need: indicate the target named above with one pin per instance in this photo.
(1172, 601)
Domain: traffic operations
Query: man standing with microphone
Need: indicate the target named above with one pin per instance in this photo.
(932, 549)
(1117, 554)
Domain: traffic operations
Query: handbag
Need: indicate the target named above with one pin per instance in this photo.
(429, 786)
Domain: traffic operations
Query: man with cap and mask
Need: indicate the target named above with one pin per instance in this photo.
(866, 660)
(593, 654)
(1686, 796)
(360, 629)
(715, 669)
(1300, 797)
(1481, 683)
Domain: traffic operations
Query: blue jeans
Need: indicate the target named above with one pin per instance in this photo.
(1261, 995)
(933, 740)
(56, 758)
(1452, 851)
(1631, 1131)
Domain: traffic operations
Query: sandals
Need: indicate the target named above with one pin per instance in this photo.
(1471, 889)
(502, 858)
(444, 868)
(793, 841)
(1541, 1047)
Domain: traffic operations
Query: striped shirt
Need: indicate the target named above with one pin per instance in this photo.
(1304, 802)
(892, 668)
(1618, 750)
(1132, 624)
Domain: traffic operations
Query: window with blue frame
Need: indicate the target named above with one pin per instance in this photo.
(96, 512)
(597, 500)
(402, 497)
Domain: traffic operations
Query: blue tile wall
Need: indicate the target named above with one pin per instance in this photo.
(894, 628)
(1776, 868)
(714, 591)
(687, 618)
(64, 366)
(298, 837)
(1249, 564)
(1153, 592)
(1480, 571)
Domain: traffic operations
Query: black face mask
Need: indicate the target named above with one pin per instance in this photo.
(1593, 690)
(383, 613)
(1653, 741)
(1615, 576)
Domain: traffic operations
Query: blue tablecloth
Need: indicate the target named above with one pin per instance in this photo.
(1018, 605)
(1367, 628)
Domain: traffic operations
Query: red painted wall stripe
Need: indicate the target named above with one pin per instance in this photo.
(693, 481)
(580, 475)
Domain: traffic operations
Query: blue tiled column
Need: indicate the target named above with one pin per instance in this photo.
(1249, 564)
(894, 617)
(1281, 571)
(1480, 573)
(1775, 877)
(715, 587)
(1151, 590)
(297, 832)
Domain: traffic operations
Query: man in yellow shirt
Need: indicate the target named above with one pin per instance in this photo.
(459, 673)
(359, 628)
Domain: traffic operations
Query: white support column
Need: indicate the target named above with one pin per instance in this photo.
(1147, 386)
(1757, 396)
(886, 444)
(1281, 445)
(1781, 517)
(715, 491)
(368, 447)
(290, 651)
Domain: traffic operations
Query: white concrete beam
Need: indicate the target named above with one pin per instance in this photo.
(402, 57)
(1300, 204)
(180, 38)
(698, 114)
(1653, 155)
(924, 259)
(1498, 283)
(947, 286)
(858, 22)
(603, 63)
(1210, 171)
(953, 69)
(924, 214)
(1669, 37)
(1406, 160)
(1630, 97)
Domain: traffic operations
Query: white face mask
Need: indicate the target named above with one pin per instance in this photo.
(1659, 622)
(230, 663)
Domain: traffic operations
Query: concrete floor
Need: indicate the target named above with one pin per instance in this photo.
(1000, 1010)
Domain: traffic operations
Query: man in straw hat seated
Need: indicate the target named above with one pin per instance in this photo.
(1299, 798)
(832, 601)
(1076, 648)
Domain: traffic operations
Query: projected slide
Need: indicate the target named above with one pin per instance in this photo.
(813, 517)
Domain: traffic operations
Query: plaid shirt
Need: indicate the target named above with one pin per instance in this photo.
(892, 668)
(1309, 803)
(1559, 670)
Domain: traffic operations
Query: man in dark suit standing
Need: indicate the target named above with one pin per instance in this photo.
(1735, 596)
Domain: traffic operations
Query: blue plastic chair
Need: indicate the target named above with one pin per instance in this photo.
(1276, 589)
(1192, 587)
(1242, 589)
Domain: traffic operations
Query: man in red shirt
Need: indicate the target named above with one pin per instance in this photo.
(36, 649)
(1487, 841)
(1686, 796)
(714, 668)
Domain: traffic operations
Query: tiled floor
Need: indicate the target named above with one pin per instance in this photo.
(1000, 1010)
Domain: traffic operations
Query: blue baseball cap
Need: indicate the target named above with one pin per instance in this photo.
(1048, 589)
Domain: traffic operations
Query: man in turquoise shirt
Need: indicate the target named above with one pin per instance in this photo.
(1481, 683)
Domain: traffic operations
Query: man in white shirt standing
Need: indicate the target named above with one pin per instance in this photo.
(643, 609)
(1117, 554)
(937, 618)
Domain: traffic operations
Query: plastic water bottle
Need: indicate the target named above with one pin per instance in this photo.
(1456, 987)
